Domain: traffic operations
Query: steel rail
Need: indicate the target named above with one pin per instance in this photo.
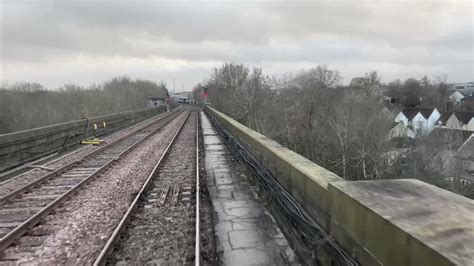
(197, 255)
(108, 248)
(88, 155)
(11, 236)
(74, 151)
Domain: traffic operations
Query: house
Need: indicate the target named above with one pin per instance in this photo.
(461, 90)
(461, 121)
(392, 96)
(443, 119)
(456, 97)
(388, 100)
(465, 156)
(153, 101)
(420, 120)
(467, 103)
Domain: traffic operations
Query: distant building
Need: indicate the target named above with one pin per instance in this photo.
(461, 91)
(461, 121)
(420, 120)
(180, 98)
(466, 86)
(388, 100)
(443, 119)
(456, 97)
(467, 103)
(155, 101)
(184, 97)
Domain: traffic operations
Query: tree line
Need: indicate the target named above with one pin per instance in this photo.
(30, 105)
(342, 129)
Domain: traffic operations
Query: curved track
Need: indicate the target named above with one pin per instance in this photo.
(162, 223)
(26, 206)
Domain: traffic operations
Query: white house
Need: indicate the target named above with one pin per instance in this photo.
(456, 97)
(420, 120)
(461, 121)
(461, 90)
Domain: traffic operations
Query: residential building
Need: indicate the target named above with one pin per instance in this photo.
(461, 121)
(463, 86)
(467, 103)
(441, 123)
(461, 90)
(456, 97)
(420, 120)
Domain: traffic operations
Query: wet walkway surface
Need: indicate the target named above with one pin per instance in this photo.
(246, 233)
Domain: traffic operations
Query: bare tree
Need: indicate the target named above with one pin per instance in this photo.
(372, 78)
(224, 85)
(340, 124)
(425, 81)
(41, 107)
(308, 113)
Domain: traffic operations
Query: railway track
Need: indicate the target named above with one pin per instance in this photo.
(23, 208)
(10, 176)
(162, 223)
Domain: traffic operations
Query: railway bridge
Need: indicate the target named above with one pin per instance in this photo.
(193, 186)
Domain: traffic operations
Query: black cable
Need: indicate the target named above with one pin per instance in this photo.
(310, 236)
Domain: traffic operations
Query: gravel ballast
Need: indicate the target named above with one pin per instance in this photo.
(165, 233)
(13, 183)
(87, 220)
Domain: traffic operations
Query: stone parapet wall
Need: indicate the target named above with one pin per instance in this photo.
(19, 147)
(380, 222)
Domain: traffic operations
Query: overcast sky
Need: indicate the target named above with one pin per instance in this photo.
(86, 41)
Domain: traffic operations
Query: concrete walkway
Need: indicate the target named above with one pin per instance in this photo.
(246, 233)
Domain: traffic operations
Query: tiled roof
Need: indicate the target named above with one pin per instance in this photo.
(466, 92)
(464, 117)
(468, 99)
(445, 116)
(410, 113)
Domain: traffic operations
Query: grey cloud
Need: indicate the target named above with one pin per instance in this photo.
(437, 34)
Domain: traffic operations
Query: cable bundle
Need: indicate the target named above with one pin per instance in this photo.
(308, 237)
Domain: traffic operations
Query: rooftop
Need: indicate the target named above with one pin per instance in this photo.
(410, 113)
(445, 116)
(464, 117)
